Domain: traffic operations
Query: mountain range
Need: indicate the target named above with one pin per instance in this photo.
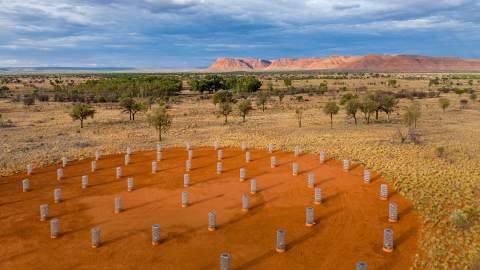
(373, 63)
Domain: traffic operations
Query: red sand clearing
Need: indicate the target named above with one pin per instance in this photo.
(349, 228)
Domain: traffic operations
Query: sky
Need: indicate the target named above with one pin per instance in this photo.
(192, 33)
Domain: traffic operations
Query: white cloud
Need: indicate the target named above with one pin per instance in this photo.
(51, 43)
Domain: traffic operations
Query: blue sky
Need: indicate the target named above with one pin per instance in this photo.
(192, 33)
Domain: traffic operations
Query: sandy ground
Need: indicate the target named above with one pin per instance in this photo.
(349, 228)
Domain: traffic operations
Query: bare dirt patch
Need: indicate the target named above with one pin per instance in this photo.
(349, 228)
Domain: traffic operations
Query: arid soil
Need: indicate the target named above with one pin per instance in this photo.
(349, 228)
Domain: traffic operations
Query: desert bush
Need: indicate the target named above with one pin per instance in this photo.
(244, 107)
(211, 83)
(28, 100)
(5, 123)
(412, 114)
(459, 91)
(224, 109)
(132, 107)
(473, 97)
(262, 99)
(222, 96)
(131, 85)
(414, 135)
(82, 112)
(367, 106)
(351, 108)
(280, 93)
(43, 97)
(160, 120)
(346, 97)
(399, 136)
(4, 91)
(331, 108)
(460, 219)
(444, 103)
(322, 88)
(299, 116)
(463, 103)
(439, 151)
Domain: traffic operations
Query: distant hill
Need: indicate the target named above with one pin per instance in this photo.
(374, 63)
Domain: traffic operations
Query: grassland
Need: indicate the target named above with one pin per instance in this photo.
(438, 186)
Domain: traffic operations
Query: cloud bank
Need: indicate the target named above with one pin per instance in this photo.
(191, 33)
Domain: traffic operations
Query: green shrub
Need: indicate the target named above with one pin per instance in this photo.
(460, 219)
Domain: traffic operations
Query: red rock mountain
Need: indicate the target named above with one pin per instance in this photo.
(377, 63)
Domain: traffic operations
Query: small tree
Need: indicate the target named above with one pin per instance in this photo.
(444, 103)
(225, 108)
(244, 107)
(387, 104)
(463, 103)
(82, 112)
(299, 116)
(160, 120)
(132, 107)
(412, 114)
(473, 97)
(331, 108)
(351, 108)
(28, 100)
(262, 99)
(222, 96)
(323, 88)
(281, 94)
(367, 106)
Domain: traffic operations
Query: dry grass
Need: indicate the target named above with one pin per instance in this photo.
(436, 185)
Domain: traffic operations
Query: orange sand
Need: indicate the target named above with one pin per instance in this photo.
(349, 222)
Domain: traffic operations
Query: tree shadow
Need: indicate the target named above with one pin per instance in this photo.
(354, 166)
(83, 228)
(323, 181)
(256, 260)
(207, 199)
(331, 197)
(405, 211)
(72, 212)
(106, 183)
(121, 237)
(270, 187)
(328, 215)
(405, 236)
(375, 178)
(147, 203)
(15, 256)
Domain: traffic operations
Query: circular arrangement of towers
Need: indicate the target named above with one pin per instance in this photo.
(279, 241)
